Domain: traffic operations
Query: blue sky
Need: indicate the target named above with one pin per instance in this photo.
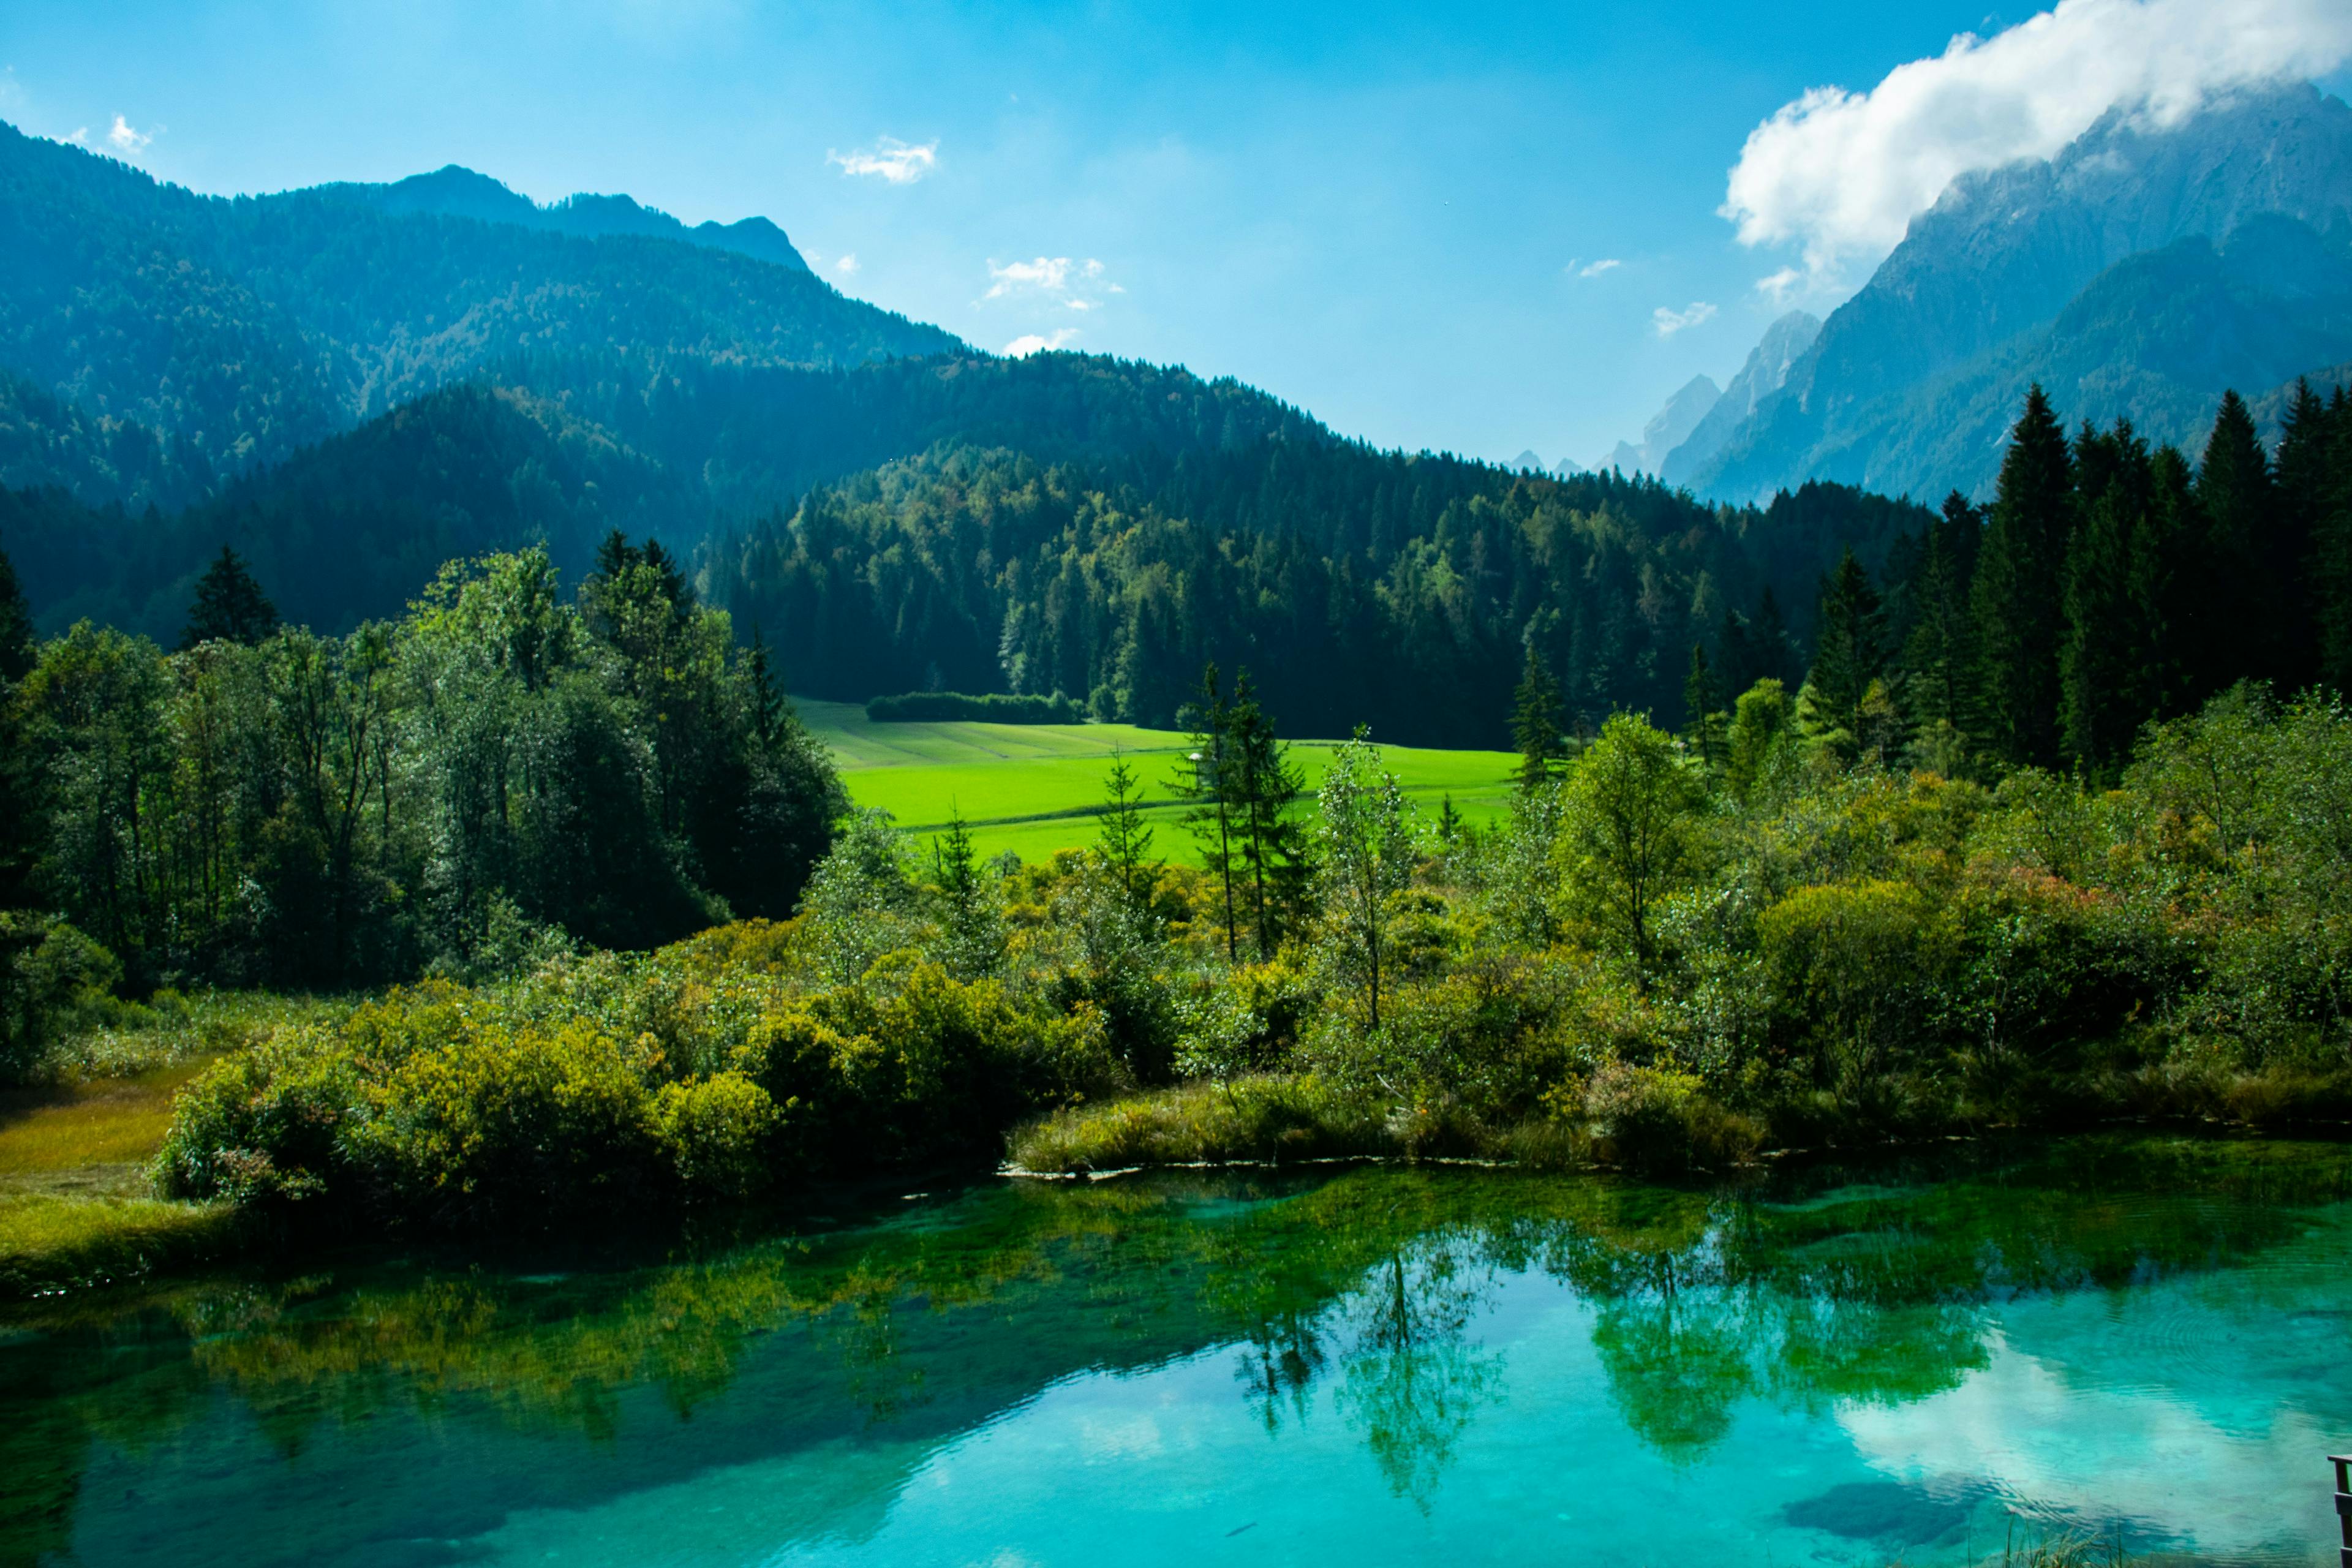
(1383, 213)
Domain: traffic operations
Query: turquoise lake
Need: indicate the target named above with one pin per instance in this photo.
(1922, 1360)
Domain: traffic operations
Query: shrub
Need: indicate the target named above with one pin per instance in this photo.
(1661, 1120)
(994, 708)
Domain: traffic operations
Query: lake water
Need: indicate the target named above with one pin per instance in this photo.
(1919, 1360)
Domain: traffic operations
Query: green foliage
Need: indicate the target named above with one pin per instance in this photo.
(1630, 836)
(1366, 848)
(468, 789)
(602, 1089)
(229, 605)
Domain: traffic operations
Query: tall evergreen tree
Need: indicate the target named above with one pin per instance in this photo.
(2098, 668)
(17, 643)
(1272, 845)
(2302, 476)
(1850, 649)
(2243, 602)
(2018, 591)
(1535, 720)
(1939, 658)
(1124, 837)
(229, 605)
(1769, 641)
(1206, 780)
(2332, 550)
(1703, 713)
(21, 824)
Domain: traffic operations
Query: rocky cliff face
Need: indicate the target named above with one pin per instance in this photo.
(2005, 252)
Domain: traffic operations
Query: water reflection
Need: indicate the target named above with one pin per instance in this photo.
(1976, 1330)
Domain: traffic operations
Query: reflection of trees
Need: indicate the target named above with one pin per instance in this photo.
(1413, 1377)
(1369, 1279)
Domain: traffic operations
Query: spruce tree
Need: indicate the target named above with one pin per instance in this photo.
(1703, 718)
(1206, 781)
(2332, 550)
(1769, 644)
(229, 605)
(2097, 662)
(1536, 722)
(19, 646)
(1849, 647)
(1273, 847)
(1939, 659)
(2019, 588)
(2302, 474)
(2242, 605)
(1124, 837)
(22, 827)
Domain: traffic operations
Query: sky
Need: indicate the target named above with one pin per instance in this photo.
(1472, 228)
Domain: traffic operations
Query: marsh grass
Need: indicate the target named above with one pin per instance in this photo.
(78, 1206)
(1270, 1118)
(52, 1241)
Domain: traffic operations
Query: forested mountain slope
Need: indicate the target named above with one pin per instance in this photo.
(1055, 524)
(247, 328)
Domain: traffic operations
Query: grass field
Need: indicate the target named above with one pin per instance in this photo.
(1035, 788)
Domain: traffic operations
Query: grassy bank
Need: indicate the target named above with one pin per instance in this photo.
(77, 1203)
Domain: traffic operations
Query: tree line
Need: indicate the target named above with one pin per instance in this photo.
(504, 769)
(2106, 585)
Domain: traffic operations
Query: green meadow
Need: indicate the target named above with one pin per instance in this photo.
(1035, 788)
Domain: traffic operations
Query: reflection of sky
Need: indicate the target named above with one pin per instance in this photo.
(2202, 1407)
(2192, 1407)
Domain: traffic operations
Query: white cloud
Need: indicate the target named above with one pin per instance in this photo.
(1606, 263)
(78, 136)
(1057, 278)
(1842, 173)
(899, 162)
(1778, 286)
(848, 264)
(1032, 342)
(126, 141)
(1669, 323)
(1049, 273)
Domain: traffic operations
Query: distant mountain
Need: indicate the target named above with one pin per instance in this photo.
(1667, 429)
(1765, 372)
(456, 192)
(2004, 255)
(1527, 462)
(245, 329)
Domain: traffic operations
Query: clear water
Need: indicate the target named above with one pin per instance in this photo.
(1922, 1362)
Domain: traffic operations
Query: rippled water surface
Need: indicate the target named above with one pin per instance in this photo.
(1916, 1361)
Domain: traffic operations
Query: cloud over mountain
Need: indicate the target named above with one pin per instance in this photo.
(1842, 173)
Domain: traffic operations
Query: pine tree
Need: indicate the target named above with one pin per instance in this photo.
(19, 646)
(1703, 716)
(1939, 659)
(1536, 722)
(1273, 848)
(2017, 594)
(2096, 664)
(2241, 604)
(2332, 551)
(1768, 642)
(229, 605)
(1124, 837)
(1850, 650)
(1206, 780)
(2302, 475)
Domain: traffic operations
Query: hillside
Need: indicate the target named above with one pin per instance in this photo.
(246, 329)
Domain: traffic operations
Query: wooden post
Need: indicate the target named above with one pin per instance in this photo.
(2343, 1463)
